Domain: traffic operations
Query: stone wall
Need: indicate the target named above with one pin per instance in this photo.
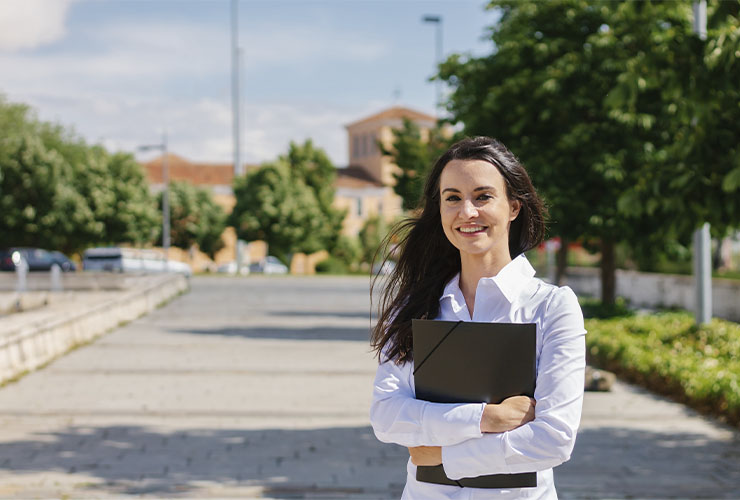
(30, 339)
(660, 290)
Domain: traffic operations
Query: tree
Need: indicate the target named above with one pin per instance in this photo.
(312, 166)
(134, 218)
(414, 155)
(195, 218)
(278, 207)
(59, 192)
(373, 231)
(686, 89)
(560, 90)
(39, 207)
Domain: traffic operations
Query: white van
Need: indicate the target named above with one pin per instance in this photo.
(130, 260)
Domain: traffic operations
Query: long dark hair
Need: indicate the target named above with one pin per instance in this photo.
(427, 261)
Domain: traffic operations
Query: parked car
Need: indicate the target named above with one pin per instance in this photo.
(230, 268)
(130, 260)
(269, 265)
(64, 262)
(37, 259)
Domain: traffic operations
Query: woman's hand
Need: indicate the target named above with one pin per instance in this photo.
(426, 455)
(511, 413)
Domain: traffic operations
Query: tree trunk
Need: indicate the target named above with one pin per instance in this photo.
(561, 262)
(717, 255)
(608, 272)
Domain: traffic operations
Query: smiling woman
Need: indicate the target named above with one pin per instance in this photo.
(461, 259)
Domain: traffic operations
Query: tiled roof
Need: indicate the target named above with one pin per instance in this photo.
(355, 176)
(395, 112)
(180, 169)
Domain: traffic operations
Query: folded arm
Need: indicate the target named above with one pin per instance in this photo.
(397, 417)
(547, 440)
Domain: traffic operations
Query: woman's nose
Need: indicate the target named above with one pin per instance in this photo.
(468, 209)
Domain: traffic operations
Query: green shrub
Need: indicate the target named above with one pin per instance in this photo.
(594, 308)
(669, 354)
(331, 265)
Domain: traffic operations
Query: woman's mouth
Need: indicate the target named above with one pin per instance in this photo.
(471, 229)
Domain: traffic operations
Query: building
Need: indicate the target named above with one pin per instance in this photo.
(218, 177)
(364, 135)
(364, 188)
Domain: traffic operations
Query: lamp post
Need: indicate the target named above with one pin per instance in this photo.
(702, 242)
(236, 109)
(437, 20)
(165, 194)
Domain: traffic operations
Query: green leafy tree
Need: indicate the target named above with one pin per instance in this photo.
(312, 166)
(686, 91)
(276, 206)
(114, 185)
(59, 192)
(39, 206)
(346, 256)
(195, 218)
(373, 231)
(134, 218)
(414, 155)
(577, 89)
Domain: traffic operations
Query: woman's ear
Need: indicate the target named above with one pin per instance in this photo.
(515, 205)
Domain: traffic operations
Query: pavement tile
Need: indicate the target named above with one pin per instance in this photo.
(260, 388)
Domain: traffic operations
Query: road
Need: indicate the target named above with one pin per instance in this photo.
(260, 387)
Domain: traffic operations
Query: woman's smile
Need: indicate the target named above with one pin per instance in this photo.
(472, 229)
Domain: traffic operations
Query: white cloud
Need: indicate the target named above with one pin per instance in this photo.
(26, 24)
(200, 129)
(115, 85)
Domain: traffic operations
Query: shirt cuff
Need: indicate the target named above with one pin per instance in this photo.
(477, 457)
(461, 421)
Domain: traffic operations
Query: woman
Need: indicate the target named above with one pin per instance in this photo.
(462, 258)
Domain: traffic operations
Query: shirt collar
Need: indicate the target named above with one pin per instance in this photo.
(510, 280)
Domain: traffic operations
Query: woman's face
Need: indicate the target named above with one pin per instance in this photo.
(475, 209)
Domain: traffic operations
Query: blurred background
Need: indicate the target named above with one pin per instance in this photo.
(150, 144)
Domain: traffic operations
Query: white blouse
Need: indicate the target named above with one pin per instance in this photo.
(514, 295)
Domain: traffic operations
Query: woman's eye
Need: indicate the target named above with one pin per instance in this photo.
(485, 197)
(452, 198)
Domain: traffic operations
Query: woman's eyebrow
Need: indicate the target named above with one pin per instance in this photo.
(482, 188)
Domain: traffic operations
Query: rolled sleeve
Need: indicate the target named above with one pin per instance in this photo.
(397, 417)
(548, 440)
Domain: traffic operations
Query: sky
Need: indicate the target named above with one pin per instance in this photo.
(122, 72)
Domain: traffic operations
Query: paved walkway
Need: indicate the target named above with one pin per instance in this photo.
(259, 388)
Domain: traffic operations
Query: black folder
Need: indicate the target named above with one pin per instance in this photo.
(471, 362)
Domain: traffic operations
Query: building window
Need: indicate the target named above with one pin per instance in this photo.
(359, 207)
(356, 147)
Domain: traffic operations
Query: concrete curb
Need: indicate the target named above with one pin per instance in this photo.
(30, 344)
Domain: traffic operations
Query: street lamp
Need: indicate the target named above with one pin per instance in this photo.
(437, 20)
(702, 243)
(236, 109)
(165, 194)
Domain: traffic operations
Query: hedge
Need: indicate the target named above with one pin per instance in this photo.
(668, 354)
